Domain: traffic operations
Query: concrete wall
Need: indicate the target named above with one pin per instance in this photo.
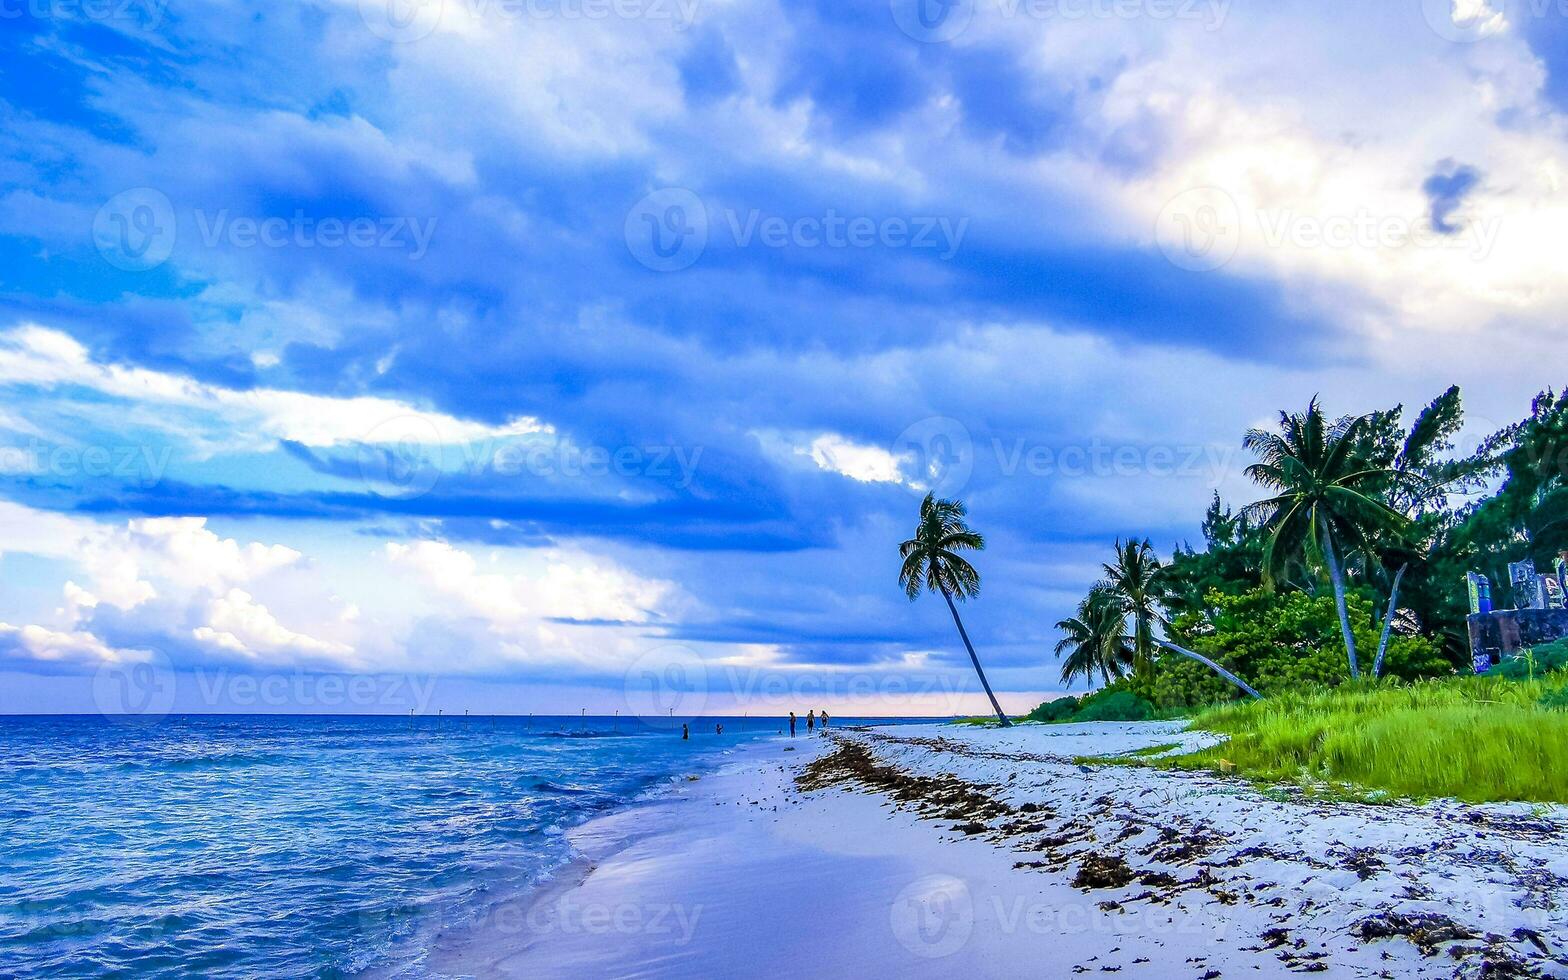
(1504, 633)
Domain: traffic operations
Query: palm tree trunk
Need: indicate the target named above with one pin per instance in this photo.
(1205, 661)
(1338, 579)
(1388, 622)
(1000, 715)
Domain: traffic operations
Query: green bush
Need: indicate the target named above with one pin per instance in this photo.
(1060, 709)
(1114, 703)
(1280, 641)
(1118, 702)
(1537, 661)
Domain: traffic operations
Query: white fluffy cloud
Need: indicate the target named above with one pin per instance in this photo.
(833, 453)
(59, 647)
(269, 605)
(39, 357)
(551, 583)
(238, 624)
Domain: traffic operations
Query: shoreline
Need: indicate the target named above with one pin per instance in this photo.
(933, 850)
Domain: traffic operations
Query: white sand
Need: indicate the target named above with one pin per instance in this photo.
(743, 874)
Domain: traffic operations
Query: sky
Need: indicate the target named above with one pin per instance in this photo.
(561, 355)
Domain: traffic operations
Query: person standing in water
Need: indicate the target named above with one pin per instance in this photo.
(792, 724)
(824, 719)
(685, 732)
(811, 721)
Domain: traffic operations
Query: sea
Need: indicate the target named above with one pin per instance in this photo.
(302, 846)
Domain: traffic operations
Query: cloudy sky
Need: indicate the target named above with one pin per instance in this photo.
(490, 353)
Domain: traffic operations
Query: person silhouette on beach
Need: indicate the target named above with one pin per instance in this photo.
(824, 720)
(718, 729)
(811, 721)
(792, 724)
(685, 732)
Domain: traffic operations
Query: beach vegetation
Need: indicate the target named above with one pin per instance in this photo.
(1328, 500)
(1477, 739)
(933, 562)
(1095, 642)
(1358, 552)
(1059, 709)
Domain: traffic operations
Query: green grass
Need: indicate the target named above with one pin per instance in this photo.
(1127, 758)
(1477, 739)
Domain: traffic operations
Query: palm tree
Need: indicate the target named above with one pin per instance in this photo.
(932, 563)
(1095, 640)
(1325, 488)
(1421, 480)
(1131, 579)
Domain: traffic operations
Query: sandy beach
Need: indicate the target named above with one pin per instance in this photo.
(936, 851)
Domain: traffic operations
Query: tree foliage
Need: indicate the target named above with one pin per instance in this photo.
(1389, 495)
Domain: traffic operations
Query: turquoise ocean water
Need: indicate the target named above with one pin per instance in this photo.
(226, 846)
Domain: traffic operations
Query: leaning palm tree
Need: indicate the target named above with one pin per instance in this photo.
(1325, 489)
(1132, 580)
(1095, 640)
(932, 563)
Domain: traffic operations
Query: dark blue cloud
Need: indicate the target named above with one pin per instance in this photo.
(1545, 27)
(708, 69)
(1446, 191)
(1001, 97)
